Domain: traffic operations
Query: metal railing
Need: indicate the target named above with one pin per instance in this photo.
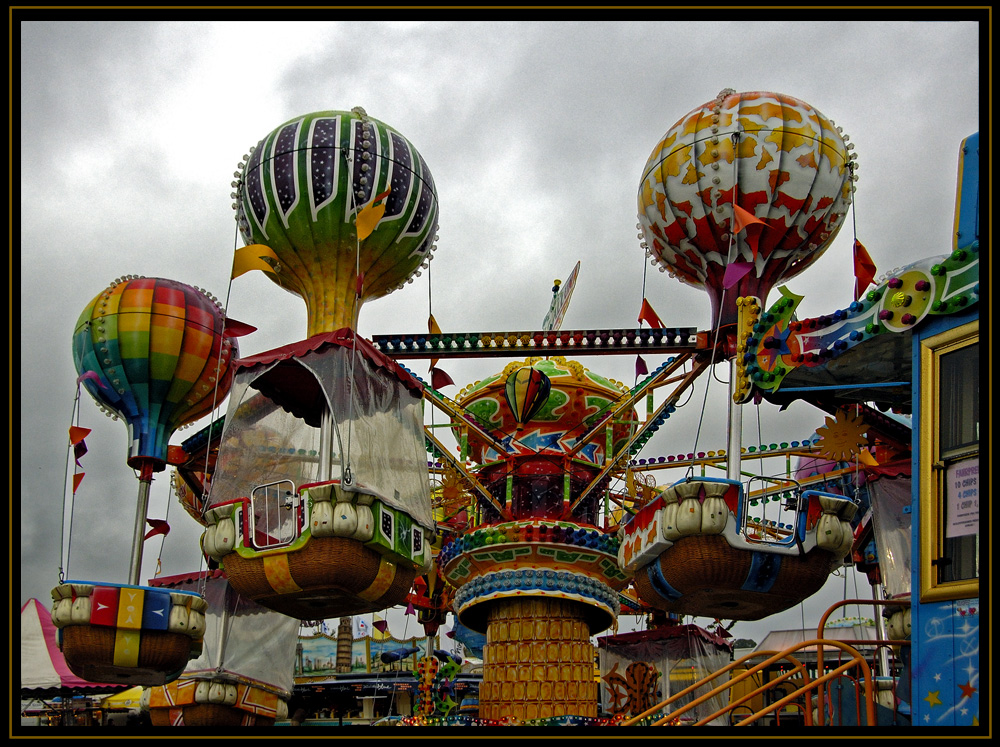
(810, 697)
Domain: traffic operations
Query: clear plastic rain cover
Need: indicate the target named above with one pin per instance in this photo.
(250, 643)
(277, 429)
(640, 670)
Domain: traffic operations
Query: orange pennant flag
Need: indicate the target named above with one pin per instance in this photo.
(77, 434)
(370, 215)
(864, 269)
(254, 257)
(77, 479)
(646, 314)
(744, 219)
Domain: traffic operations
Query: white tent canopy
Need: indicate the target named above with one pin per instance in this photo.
(44, 672)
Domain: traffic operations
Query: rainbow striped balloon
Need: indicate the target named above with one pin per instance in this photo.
(152, 351)
(526, 391)
(347, 205)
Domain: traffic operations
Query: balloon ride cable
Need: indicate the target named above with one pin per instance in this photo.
(722, 298)
(74, 418)
(347, 478)
(430, 315)
(218, 368)
(163, 536)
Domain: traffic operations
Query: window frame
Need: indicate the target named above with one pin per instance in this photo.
(932, 475)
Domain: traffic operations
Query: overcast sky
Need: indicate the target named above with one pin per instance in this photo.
(536, 134)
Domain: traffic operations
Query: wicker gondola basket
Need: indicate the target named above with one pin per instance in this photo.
(704, 575)
(208, 714)
(335, 577)
(89, 651)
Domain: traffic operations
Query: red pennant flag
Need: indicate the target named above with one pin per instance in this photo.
(450, 634)
(159, 526)
(77, 434)
(409, 609)
(380, 625)
(440, 378)
(864, 269)
(646, 314)
(77, 479)
(640, 367)
(234, 328)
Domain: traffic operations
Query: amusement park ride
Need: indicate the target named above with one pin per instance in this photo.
(544, 524)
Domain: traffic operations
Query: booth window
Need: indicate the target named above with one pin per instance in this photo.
(949, 459)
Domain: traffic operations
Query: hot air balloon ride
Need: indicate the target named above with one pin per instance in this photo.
(742, 192)
(334, 517)
(346, 205)
(155, 353)
(745, 191)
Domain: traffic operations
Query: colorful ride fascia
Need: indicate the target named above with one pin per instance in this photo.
(534, 558)
(578, 399)
(130, 610)
(326, 511)
(707, 505)
(779, 343)
(241, 693)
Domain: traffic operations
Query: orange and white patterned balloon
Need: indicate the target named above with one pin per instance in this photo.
(773, 156)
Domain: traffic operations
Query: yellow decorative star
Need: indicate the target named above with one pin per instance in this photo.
(933, 699)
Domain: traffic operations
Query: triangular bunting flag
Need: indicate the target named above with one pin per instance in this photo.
(369, 216)
(91, 376)
(646, 314)
(641, 369)
(77, 434)
(434, 329)
(254, 257)
(735, 271)
(409, 609)
(234, 328)
(159, 526)
(79, 449)
(744, 220)
(77, 479)
(432, 325)
(864, 269)
(440, 378)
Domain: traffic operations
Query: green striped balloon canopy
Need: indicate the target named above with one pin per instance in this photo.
(154, 352)
(347, 205)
